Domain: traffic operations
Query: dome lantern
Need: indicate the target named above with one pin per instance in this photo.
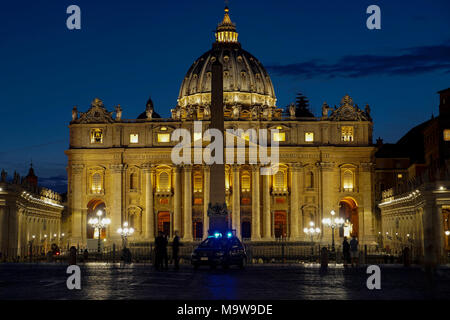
(226, 30)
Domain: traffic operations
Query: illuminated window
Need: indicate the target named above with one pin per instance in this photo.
(347, 133)
(245, 182)
(96, 136)
(96, 183)
(134, 138)
(163, 182)
(348, 180)
(279, 181)
(447, 135)
(197, 136)
(133, 181)
(310, 180)
(279, 136)
(163, 128)
(163, 137)
(399, 176)
(309, 136)
(198, 183)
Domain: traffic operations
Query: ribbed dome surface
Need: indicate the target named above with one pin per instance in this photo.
(245, 80)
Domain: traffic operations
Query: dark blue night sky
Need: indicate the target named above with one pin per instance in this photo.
(129, 50)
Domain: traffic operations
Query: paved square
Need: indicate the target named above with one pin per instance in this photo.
(256, 282)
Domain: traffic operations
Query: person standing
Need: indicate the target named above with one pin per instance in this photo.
(354, 250)
(164, 253)
(346, 251)
(159, 243)
(175, 250)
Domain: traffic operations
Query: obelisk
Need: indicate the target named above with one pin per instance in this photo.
(217, 208)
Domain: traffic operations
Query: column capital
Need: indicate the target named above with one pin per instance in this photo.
(187, 167)
(176, 168)
(366, 166)
(255, 167)
(77, 168)
(235, 167)
(326, 166)
(206, 168)
(117, 168)
(148, 168)
(295, 166)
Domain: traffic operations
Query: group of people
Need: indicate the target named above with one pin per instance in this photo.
(350, 251)
(161, 256)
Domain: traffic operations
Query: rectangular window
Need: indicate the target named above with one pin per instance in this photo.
(134, 138)
(279, 136)
(309, 136)
(163, 137)
(198, 183)
(197, 136)
(447, 135)
(347, 133)
(96, 136)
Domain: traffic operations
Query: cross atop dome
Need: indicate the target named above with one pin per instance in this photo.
(226, 30)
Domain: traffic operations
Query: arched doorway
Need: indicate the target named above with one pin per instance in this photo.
(164, 222)
(198, 229)
(93, 207)
(280, 225)
(246, 229)
(348, 210)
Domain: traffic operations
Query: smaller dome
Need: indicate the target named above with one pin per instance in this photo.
(149, 106)
(143, 115)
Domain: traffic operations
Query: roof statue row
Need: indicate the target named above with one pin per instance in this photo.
(346, 111)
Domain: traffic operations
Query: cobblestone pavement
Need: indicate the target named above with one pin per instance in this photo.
(256, 282)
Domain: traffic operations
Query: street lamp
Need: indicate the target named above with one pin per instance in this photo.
(125, 232)
(99, 223)
(333, 223)
(311, 231)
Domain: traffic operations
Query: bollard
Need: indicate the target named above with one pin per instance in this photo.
(324, 259)
(406, 257)
(73, 256)
(365, 254)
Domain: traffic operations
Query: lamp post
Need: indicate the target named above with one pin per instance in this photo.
(125, 232)
(99, 223)
(333, 223)
(311, 231)
(447, 233)
(31, 247)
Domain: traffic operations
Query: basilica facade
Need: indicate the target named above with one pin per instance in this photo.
(124, 167)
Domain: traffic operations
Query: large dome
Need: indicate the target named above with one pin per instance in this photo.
(245, 81)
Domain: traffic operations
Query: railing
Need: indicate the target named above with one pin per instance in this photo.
(268, 252)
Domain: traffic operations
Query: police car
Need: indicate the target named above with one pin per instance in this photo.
(222, 250)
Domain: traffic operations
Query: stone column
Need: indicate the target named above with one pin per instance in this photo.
(206, 187)
(177, 199)
(77, 203)
(267, 219)
(256, 203)
(366, 211)
(328, 192)
(187, 217)
(294, 224)
(149, 216)
(236, 200)
(115, 211)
